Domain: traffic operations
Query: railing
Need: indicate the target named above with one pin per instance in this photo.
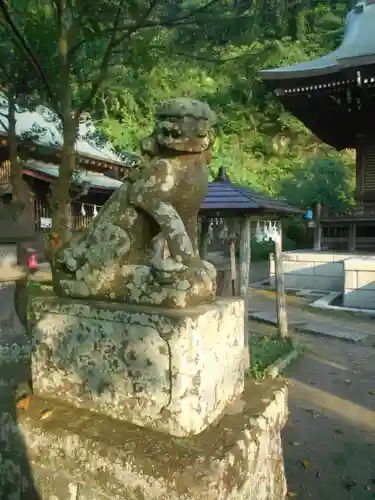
(364, 209)
(5, 173)
(360, 210)
(80, 221)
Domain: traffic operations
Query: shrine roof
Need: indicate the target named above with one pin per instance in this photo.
(356, 50)
(49, 172)
(225, 198)
(43, 127)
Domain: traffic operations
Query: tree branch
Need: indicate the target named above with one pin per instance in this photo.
(105, 62)
(187, 15)
(151, 7)
(21, 43)
(5, 71)
(159, 23)
(3, 125)
(197, 57)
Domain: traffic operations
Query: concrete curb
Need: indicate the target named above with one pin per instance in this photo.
(293, 324)
(279, 366)
(302, 327)
(325, 304)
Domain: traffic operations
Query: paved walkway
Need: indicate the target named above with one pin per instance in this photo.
(345, 326)
(329, 440)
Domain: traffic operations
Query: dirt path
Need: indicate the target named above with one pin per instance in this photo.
(329, 441)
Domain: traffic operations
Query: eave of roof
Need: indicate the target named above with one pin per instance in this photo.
(230, 199)
(357, 49)
(49, 172)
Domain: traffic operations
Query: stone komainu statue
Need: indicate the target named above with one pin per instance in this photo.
(142, 247)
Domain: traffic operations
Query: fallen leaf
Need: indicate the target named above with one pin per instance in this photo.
(305, 463)
(338, 431)
(294, 443)
(313, 413)
(372, 393)
(347, 381)
(45, 414)
(349, 483)
(23, 403)
(291, 494)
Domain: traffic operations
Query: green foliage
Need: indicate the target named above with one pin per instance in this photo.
(328, 181)
(261, 251)
(259, 142)
(264, 351)
(214, 54)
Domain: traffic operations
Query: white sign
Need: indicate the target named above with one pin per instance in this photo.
(45, 222)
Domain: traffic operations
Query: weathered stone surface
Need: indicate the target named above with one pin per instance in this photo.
(171, 370)
(142, 247)
(77, 454)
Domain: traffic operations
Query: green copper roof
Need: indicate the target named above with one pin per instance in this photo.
(44, 127)
(357, 49)
(94, 179)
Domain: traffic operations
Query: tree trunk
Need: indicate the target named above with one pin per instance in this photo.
(22, 206)
(61, 202)
(61, 209)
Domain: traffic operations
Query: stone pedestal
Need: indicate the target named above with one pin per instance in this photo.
(170, 370)
(78, 454)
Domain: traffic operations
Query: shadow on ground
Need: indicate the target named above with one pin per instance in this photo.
(329, 441)
(16, 481)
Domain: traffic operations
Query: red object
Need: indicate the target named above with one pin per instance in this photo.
(33, 261)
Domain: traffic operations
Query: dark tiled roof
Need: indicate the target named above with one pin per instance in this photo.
(230, 199)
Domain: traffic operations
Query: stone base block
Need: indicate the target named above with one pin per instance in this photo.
(77, 454)
(171, 370)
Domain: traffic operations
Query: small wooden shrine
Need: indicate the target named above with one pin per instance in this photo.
(227, 210)
(334, 96)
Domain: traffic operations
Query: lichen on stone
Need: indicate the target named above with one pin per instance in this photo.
(154, 211)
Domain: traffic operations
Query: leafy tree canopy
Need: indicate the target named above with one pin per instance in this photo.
(260, 143)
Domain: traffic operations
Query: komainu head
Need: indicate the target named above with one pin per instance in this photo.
(183, 126)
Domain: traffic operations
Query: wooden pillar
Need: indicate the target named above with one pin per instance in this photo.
(352, 238)
(317, 228)
(245, 256)
(233, 267)
(204, 237)
(282, 321)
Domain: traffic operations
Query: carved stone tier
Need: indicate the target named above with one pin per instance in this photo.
(75, 454)
(171, 370)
